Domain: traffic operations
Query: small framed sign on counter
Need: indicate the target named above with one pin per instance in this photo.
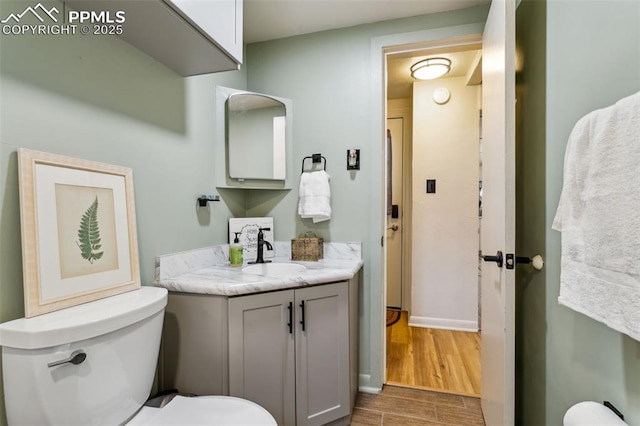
(248, 227)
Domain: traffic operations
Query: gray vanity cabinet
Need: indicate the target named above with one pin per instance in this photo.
(243, 346)
(290, 351)
(193, 353)
(262, 352)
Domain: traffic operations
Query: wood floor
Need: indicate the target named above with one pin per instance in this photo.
(443, 360)
(413, 407)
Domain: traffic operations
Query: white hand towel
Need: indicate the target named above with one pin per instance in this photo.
(315, 196)
(599, 216)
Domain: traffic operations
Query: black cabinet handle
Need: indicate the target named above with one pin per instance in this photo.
(302, 320)
(290, 323)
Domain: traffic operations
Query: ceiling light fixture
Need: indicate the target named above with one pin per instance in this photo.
(430, 68)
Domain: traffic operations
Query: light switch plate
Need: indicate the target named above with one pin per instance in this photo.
(353, 159)
(431, 186)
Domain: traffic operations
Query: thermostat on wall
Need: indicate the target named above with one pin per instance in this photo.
(441, 96)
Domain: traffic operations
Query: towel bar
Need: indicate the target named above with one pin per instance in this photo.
(315, 158)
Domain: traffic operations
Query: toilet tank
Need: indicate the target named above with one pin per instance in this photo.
(120, 336)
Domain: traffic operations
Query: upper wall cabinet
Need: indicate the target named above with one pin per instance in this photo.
(189, 36)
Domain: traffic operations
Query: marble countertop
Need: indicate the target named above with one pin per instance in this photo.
(207, 271)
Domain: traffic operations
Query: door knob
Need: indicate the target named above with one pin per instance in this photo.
(393, 227)
(510, 260)
(497, 258)
(537, 262)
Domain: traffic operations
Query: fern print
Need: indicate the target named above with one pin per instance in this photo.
(89, 234)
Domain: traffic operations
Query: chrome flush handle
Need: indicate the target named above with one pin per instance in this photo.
(76, 357)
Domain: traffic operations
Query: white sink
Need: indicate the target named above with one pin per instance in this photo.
(274, 269)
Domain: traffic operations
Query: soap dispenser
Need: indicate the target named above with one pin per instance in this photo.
(235, 251)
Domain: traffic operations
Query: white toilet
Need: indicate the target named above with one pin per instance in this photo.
(111, 346)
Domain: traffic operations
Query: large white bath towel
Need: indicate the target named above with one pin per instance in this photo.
(315, 196)
(599, 216)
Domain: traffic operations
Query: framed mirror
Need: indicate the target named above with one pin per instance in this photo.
(253, 140)
(256, 137)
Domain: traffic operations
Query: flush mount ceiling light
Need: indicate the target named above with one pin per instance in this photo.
(430, 68)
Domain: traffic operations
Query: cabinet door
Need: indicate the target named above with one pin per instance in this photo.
(261, 352)
(322, 354)
(221, 20)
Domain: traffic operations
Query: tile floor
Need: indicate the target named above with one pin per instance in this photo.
(412, 407)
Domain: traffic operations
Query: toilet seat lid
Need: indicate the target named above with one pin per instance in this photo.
(205, 410)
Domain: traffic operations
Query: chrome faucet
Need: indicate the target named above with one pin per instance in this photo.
(261, 243)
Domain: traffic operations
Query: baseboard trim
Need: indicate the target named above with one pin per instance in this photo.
(443, 323)
(368, 389)
(366, 378)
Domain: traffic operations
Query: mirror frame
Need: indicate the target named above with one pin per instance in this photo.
(258, 144)
(223, 180)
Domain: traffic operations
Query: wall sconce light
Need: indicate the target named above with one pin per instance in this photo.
(430, 68)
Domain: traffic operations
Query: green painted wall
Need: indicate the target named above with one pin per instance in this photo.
(592, 60)
(328, 77)
(100, 99)
(565, 49)
(530, 207)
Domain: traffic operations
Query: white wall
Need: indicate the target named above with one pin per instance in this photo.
(445, 224)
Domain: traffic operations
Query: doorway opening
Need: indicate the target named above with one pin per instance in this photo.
(433, 158)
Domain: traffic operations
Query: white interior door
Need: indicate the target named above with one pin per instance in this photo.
(394, 244)
(498, 222)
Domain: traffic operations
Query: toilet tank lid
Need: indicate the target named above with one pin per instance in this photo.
(83, 321)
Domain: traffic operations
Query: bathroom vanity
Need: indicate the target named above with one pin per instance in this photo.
(283, 338)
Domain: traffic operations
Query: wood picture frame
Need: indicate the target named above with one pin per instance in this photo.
(78, 224)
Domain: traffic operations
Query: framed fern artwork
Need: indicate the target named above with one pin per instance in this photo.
(79, 240)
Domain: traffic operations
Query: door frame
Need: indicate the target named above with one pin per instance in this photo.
(440, 38)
